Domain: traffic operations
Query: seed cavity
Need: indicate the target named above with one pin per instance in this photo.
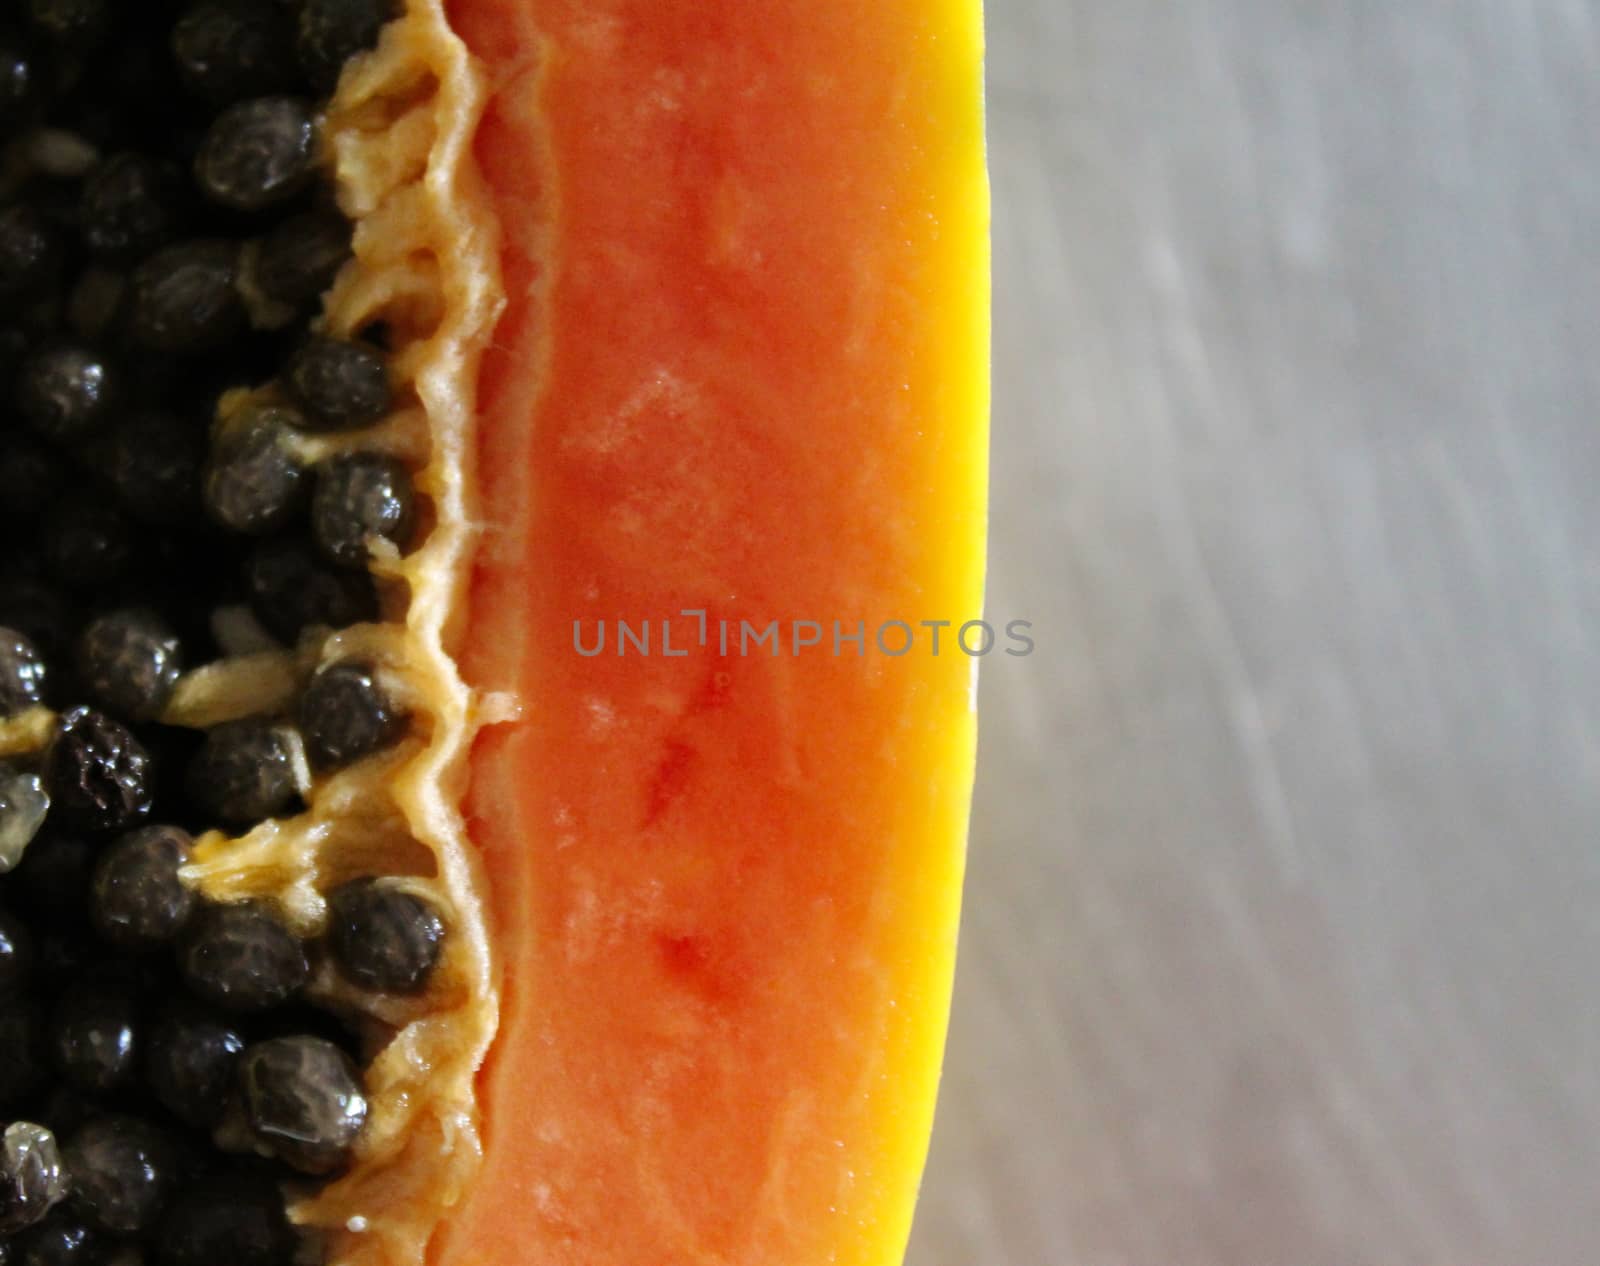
(204, 494)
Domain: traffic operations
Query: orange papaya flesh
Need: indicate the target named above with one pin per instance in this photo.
(741, 371)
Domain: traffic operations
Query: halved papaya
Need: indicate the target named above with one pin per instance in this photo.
(684, 305)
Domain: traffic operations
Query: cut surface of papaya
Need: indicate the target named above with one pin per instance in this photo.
(486, 736)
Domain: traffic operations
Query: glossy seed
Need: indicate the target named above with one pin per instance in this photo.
(191, 1059)
(242, 958)
(304, 1101)
(131, 203)
(258, 153)
(62, 1239)
(331, 32)
(299, 259)
(341, 384)
(75, 23)
(98, 774)
(292, 589)
(359, 499)
(129, 661)
(248, 771)
(24, 801)
(183, 298)
(22, 673)
(38, 611)
(122, 1173)
(94, 1038)
(383, 939)
(254, 481)
(137, 899)
(64, 391)
(31, 251)
(227, 50)
(32, 1179)
(345, 714)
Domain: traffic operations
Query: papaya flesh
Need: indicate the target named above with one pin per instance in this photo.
(741, 371)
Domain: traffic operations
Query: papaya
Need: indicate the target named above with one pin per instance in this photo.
(490, 601)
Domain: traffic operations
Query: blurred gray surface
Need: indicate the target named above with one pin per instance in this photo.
(1283, 939)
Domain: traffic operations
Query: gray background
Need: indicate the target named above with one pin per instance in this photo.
(1283, 936)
